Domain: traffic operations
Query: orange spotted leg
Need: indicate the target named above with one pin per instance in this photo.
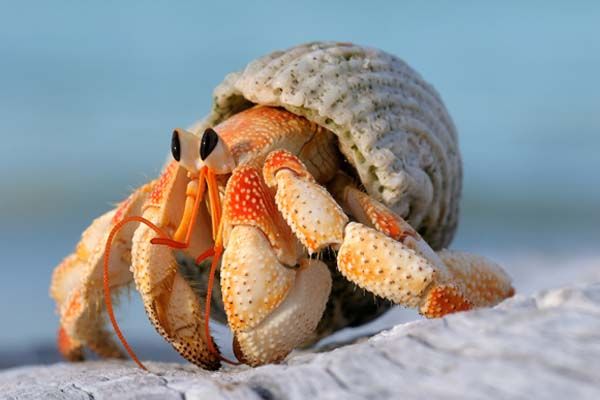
(77, 282)
(380, 252)
(455, 281)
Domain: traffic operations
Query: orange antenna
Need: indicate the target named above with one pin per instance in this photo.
(215, 201)
(106, 280)
(216, 252)
(206, 178)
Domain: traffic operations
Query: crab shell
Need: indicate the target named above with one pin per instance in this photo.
(391, 124)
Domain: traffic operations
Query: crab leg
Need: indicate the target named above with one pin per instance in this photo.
(272, 303)
(170, 302)
(77, 282)
(464, 280)
(390, 259)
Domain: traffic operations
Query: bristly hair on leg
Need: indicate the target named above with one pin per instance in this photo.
(106, 284)
(185, 229)
(197, 277)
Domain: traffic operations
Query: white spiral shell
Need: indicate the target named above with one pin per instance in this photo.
(392, 125)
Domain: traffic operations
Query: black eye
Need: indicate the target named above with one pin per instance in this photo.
(209, 142)
(175, 146)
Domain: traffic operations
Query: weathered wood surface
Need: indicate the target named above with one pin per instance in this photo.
(542, 347)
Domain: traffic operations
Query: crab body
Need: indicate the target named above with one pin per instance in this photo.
(294, 214)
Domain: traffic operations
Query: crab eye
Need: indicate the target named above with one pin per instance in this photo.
(209, 142)
(175, 146)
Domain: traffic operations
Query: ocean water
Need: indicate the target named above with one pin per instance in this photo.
(89, 94)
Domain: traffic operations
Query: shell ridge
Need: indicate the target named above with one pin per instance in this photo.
(391, 124)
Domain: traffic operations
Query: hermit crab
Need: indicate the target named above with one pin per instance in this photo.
(321, 189)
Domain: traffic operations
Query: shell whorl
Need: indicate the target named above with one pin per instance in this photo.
(392, 126)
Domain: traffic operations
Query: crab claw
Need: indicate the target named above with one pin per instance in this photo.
(170, 302)
(272, 304)
(291, 324)
(253, 280)
(271, 308)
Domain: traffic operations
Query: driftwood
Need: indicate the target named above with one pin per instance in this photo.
(541, 347)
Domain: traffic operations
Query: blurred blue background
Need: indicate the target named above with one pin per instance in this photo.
(89, 94)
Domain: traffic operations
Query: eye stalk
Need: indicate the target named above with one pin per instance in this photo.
(184, 149)
(210, 139)
(215, 154)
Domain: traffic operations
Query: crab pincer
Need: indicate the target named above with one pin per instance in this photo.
(274, 297)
